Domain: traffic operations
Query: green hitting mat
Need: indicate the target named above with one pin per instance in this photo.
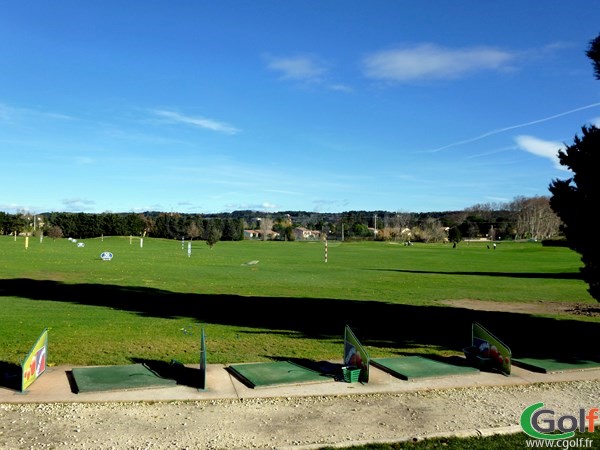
(109, 378)
(257, 375)
(410, 367)
(555, 365)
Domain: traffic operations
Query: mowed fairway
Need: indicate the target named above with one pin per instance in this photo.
(148, 303)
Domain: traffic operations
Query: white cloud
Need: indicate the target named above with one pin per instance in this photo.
(304, 68)
(267, 205)
(596, 122)
(430, 61)
(200, 122)
(539, 147)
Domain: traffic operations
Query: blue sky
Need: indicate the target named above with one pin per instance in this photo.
(328, 106)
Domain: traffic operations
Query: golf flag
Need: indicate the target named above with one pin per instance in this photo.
(35, 362)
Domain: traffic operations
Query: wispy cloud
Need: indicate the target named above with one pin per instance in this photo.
(341, 87)
(283, 191)
(325, 205)
(430, 61)
(8, 112)
(299, 68)
(264, 207)
(539, 147)
(492, 152)
(200, 122)
(78, 204)
(84, 160)
(514, 127)
(306, 69)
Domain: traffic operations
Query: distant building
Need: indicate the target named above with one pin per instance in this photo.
(251, 234)
(257, 235)
(304, 234)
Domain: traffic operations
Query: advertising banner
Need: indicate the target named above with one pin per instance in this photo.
(489, 351)
(355, 355)
(35, 362)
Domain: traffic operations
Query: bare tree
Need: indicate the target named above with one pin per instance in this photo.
(55, 232)
(266, 227)
(485, 210)
(399, 223)
(432, 230)
(535, 218)
(193, 230)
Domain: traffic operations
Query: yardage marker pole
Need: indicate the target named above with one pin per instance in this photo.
(325, 249)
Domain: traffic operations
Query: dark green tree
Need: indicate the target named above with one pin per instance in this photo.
(594, 54)
(572, 199)
(212, 232)
(135, 224)
(65, 221)
(454, 234)
(229, 232)
(5, 221)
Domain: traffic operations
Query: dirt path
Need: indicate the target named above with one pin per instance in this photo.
(300, 422)
(576, 309)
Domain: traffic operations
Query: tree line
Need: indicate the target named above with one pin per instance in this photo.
(520, 219)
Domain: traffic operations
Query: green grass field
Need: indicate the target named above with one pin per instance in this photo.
(149, 303)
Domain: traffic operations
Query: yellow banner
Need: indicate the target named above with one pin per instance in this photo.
(35, 362)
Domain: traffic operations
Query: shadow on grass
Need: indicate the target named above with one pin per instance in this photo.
(327, 368)
(10, 376)
(183, 375)
(376, 324)
(556, 276)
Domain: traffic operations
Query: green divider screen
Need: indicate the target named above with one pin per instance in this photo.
(356, 355)
(202, 385)
(487, 351)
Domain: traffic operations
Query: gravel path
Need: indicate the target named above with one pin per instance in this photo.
(309, 422)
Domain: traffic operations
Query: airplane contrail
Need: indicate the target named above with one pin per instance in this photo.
(512, 127)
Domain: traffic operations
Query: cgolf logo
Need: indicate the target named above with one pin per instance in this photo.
(540, 423)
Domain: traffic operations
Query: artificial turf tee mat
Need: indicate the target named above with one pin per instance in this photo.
(549, 365)
(410, 367)
(108, 378)
(269, 374)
